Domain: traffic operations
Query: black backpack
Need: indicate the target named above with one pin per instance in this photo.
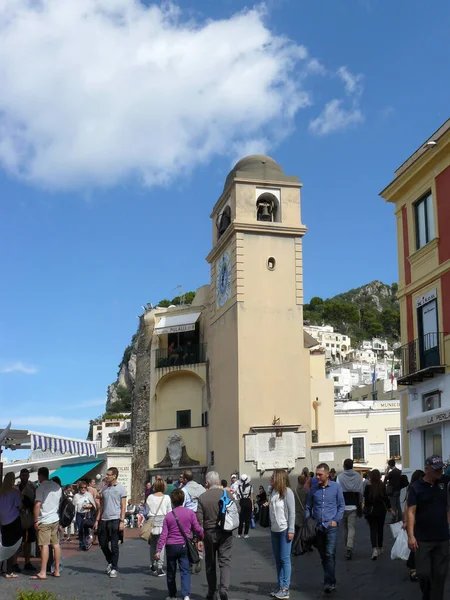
(403, 482)
(66, 512)
(308, 530)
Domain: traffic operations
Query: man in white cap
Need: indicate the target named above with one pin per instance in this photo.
(234, 483)
(245, 495)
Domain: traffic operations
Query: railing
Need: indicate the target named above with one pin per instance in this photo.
(177, 357)
(422, 358)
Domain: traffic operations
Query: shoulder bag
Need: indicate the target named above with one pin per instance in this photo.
(147, 526)
(191, 547)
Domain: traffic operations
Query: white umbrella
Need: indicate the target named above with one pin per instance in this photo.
(8, 551)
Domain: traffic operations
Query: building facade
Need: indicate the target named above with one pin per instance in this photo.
(420, 192)
(335, 345)
(235, 383)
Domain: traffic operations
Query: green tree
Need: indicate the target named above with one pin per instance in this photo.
(164, 303)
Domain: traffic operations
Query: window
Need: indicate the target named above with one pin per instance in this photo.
(394, 446)
(431, 401)
(424, 221)
(183, 419)
(358, 449)
(328, 345)
(205, 419)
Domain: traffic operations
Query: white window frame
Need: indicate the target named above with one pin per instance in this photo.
(424, 220)
(363, 435)
(389, 433)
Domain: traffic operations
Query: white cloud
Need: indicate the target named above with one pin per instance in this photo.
(49, 421)
(96, 91)
(18, 367)
(315, 67)
(335, 118)
(353, 83)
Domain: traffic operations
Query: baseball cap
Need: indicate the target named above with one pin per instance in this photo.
(434, 461)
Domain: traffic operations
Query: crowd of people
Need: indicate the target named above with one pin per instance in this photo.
(188, 524)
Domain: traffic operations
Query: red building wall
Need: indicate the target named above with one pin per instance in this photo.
(443, 213)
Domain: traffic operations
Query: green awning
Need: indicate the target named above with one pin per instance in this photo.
(72, 473)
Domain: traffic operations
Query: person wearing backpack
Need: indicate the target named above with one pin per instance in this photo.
(214, 508)
(393, 483)
(245, 495)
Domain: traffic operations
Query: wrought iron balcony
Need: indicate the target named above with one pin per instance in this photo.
(177, 357)
(422, 359)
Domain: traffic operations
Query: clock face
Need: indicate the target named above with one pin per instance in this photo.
(223, 279)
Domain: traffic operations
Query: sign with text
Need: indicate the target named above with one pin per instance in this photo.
(426, 420)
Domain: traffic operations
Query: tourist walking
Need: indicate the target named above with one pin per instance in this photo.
(282, 529)
(393, 483)
(325, 503)
(179, 520)
(376, 504)
(27, 490)
(300, 494)
(411, 562)
(46, 518)
(245, 496)
(193, 489)
(218, 543)
(158, 506)
(11, 530)
(352, 488)
(85, 514)
(110, 519)
(428, 531)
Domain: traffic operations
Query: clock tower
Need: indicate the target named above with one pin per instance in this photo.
(259, 384)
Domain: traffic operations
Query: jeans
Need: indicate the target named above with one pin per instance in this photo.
(349, 528)
(376, 524)
(83, 531)
(281, 548)
(245, 515)
(326, 545)
(153, 542)
(177, 553)
(108, 538)
(218, 545)
(432, 568)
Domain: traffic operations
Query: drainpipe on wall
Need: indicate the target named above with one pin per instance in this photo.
(315, 431)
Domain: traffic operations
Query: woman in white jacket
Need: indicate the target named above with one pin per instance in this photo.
(158, 505)
(85, 508)
(282, 526)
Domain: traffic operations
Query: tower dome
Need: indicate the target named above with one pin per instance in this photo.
(256, 166)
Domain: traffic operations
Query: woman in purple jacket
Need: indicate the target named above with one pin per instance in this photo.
(173, 539)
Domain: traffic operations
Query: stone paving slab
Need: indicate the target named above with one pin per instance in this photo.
(253, 574)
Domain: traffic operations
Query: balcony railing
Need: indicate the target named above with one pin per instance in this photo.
(422, 358)
(183, 356)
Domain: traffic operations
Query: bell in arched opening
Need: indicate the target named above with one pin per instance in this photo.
(266, 207)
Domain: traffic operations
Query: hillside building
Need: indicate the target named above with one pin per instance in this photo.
(420, 192)
(335, 345)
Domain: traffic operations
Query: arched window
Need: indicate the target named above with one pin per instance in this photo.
(223, 220)
(267, 208)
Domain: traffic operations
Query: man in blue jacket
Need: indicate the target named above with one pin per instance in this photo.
(325, 503)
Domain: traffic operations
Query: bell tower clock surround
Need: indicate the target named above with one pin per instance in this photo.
(259, 368)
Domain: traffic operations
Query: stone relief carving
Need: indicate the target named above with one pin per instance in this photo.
(176, 454)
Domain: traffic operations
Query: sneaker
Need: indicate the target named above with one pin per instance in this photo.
(239, 536)
(187, 598)
(173, 597)
(160, 573)
(153, 568)
(108, 569)
(374, 554)
(329, 588)
(348, 554)
(246, 536)
(29, 567)
(282, 594)
(380, 551)
(113, 573)
(275, 592)
(223, 595)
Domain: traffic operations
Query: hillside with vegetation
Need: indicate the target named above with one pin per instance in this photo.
(362, 313)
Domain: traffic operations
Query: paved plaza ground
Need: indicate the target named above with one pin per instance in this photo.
(253, 576)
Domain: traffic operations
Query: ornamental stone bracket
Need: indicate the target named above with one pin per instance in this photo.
(176, 454)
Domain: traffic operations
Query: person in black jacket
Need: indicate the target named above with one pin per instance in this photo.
(376, 504)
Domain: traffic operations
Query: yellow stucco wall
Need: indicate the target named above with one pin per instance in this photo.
(322, 389)
(194, 440)
(180, 390)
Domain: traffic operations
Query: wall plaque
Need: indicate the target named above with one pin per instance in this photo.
(271, 452)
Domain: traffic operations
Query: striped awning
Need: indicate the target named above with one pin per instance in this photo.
(52, 443)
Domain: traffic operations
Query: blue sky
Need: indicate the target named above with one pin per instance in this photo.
(109, 167)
